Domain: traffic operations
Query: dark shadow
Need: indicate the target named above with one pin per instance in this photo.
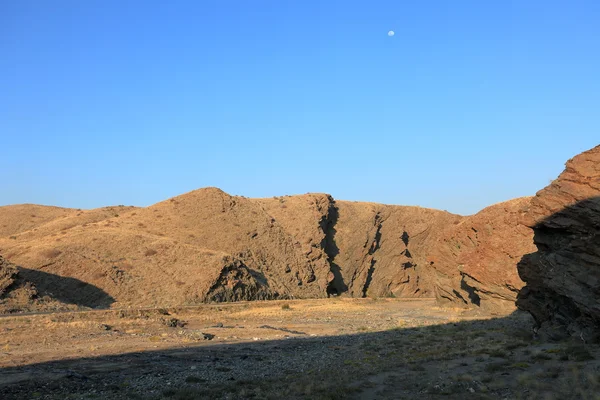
(408, 265)
(369, 278)
(67, 290)
(337, 286)
(405, 238)
(473, 296)
(563, 276)
(374, 247)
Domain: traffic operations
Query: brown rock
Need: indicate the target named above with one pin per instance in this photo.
(563, 276)
(382, 250)
(208, 246)
(8, 275)
(475, 260)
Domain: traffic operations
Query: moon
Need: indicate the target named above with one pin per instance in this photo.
(391, 33)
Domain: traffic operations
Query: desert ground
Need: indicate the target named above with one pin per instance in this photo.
(213, 296)
(335, 348)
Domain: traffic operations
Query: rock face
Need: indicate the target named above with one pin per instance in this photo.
(366, 249)
(8, 275)
(475, 260)
(396, 251)
(382, 249)
(563, 275)
(207, 245)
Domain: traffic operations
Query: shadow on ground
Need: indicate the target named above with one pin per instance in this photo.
(480, 359)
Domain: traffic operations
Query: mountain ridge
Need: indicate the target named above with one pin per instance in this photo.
(206, 245)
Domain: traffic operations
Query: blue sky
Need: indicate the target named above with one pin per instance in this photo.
(132, 102)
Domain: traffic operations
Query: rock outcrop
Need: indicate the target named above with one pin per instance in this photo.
(17, 294)
(382, 250)
(475, 259)
(207, 245)
(8, 275)
(368, 249)
(562, 277)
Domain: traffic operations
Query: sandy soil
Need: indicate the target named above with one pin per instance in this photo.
(328, 348)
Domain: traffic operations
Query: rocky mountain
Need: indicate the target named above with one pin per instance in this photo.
(563, 275)
(475, 259)
(209, 246)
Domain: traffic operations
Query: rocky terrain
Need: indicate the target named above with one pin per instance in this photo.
(324, 349)
(207, 246)
(18, 294)
(563, 275)
(475, 260)
(366, 300)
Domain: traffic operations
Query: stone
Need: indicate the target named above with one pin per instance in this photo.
(562, 277)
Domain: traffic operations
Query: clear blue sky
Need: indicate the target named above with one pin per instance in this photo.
(132, 102)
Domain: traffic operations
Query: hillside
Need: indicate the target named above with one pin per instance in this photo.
(18, 294)
(208, 246)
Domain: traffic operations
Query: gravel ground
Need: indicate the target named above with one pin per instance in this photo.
(327, 349)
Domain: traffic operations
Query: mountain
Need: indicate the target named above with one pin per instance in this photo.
(206, 246)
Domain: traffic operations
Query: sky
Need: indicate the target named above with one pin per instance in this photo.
(469, 103)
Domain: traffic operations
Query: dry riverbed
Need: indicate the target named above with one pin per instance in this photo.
(313, 349)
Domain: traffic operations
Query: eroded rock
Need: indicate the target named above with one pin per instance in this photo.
(475, 260)
(563, 275)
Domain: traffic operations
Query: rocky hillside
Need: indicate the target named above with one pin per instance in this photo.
(18, 294)
(367, 247)
(475, 260)
(563, 275)
(207, 246)
(379, 250)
